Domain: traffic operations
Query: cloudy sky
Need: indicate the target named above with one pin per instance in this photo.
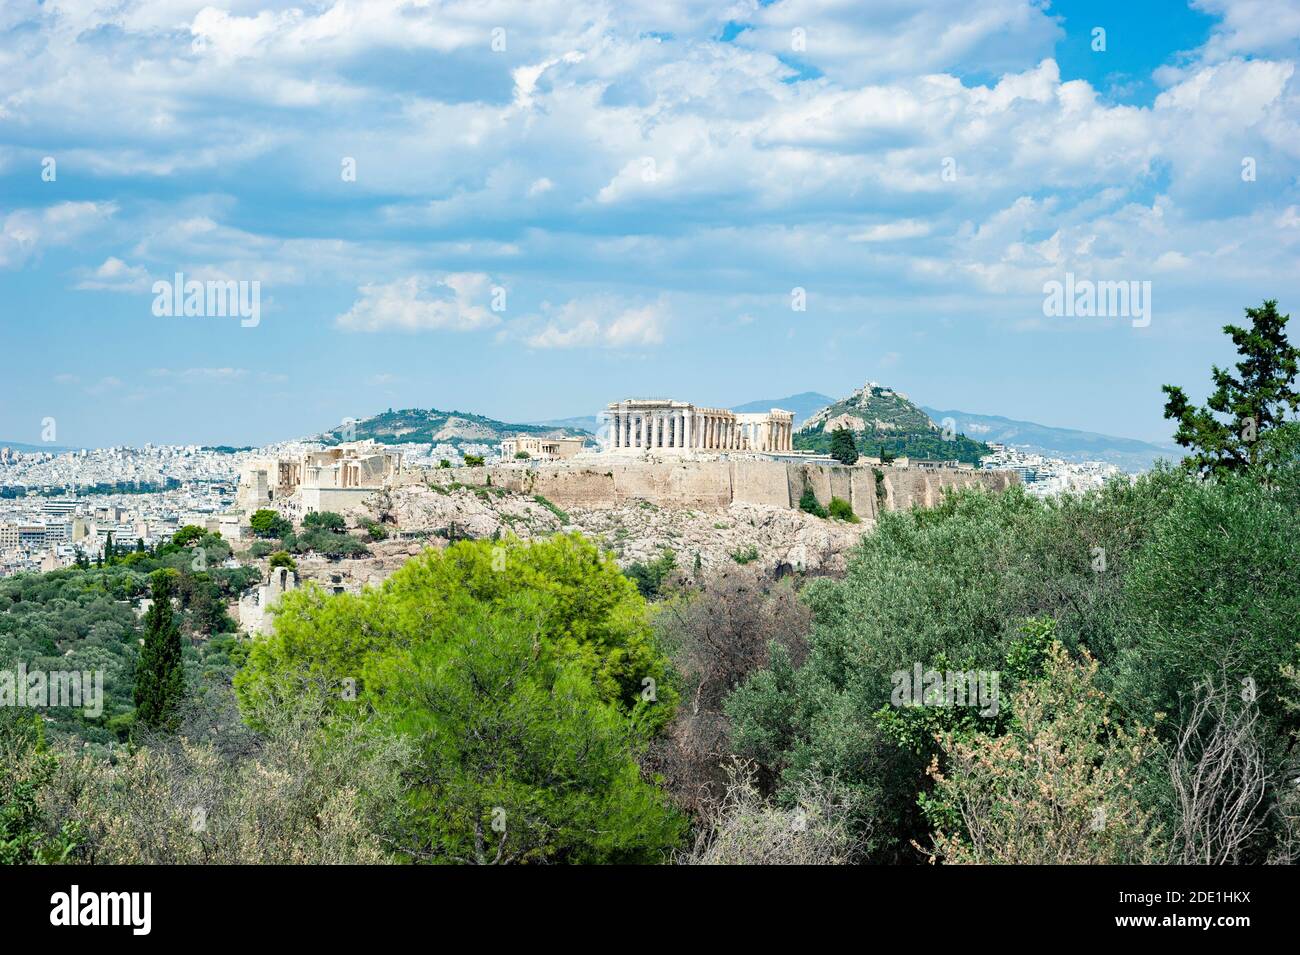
(529, 208)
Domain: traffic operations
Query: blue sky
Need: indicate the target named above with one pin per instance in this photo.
(638, 187)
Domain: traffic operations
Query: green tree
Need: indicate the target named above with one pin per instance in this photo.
(160, 677)
(473, 461)
(268, 523)
(325, 520)
(1253, 401)
(843, 448)
(592, 615)
(189, 534)
(520, 757)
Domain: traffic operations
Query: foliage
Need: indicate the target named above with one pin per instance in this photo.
(746, 555)
(809, 505)
(716, 638)
(282, 558)
(843, 448)
(949, 587)
(473, 461)
(159, 676)
(325, 520)
(520, 757)
(268, 523)
(650, 577)
(747, 830)
(591, 614)
(315, 788)
(842, 510)
(561, 515)
(1254, 401)
(1058, 788)
(27, 834)
(329, 544)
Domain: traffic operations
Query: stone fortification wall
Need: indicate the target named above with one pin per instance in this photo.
(719, 483)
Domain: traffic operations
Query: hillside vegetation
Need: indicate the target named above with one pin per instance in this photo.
(431, 426)
(884, 423)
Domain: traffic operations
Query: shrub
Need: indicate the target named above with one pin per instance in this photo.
(842, 510)
(282, 558)
(808, 503)
(746, 555)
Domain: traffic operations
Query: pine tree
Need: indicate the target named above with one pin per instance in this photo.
(159, 674)
(843, 447)
(1255, 401)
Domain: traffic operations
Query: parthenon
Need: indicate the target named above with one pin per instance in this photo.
(638, 424)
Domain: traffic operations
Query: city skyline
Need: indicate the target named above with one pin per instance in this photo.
(527, 211)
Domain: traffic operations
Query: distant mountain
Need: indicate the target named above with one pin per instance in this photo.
(584, 423)
(31, 448)
(1127, 453)
(885, 421)
(417, 426)
(804, 405)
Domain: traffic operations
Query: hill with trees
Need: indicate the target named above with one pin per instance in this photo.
(431, 426)
(885, 423)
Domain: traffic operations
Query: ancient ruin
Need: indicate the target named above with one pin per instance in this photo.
(662, 424)
(334, 479)
(543, 449)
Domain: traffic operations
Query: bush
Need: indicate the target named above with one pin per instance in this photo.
(650, 577)
(747, 830)
(808, 504)
(999, 801)
(282, 558)
(473, 461)
(746, 555)
(842, 510)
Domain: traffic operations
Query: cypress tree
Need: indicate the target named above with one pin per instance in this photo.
(159, 675)
(843, 448)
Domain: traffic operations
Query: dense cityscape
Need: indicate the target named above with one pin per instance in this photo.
(56, 506)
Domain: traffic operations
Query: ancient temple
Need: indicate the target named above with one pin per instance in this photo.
(645, 424)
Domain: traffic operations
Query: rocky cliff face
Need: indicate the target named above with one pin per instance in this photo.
(771, 538)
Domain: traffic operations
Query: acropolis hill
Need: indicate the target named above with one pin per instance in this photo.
(663, 476)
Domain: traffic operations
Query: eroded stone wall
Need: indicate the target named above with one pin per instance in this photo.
(719, 483)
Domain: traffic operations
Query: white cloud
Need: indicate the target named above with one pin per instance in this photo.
(414, 303)
(200, 375)
(114, 275)
(600, 323)
(24, 231)
(891, 231)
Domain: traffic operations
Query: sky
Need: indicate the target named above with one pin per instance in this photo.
(530, 208)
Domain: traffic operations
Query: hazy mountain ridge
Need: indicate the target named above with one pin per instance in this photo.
(432, 426)
(885, 414)
(1069, 444)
